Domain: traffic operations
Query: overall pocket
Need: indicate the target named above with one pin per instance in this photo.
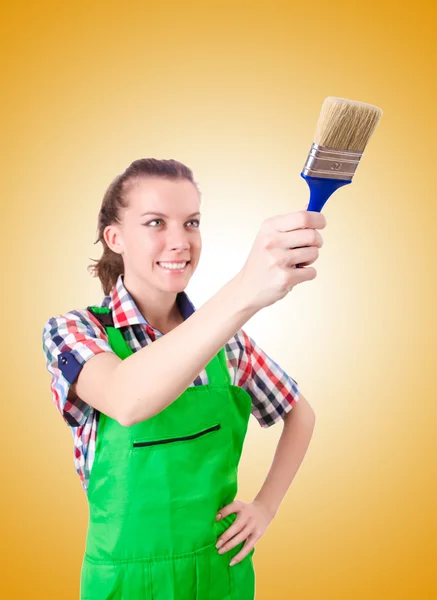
(180, 475)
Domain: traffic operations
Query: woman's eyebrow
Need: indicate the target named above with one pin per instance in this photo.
(160, 214)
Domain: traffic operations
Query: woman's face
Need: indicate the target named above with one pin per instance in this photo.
(160, 225)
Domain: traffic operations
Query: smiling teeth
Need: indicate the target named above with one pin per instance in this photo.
(173, 265)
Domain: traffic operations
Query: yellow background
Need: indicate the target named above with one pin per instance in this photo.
(234, 90)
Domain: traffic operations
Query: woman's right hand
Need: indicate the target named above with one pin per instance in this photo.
(282, 242)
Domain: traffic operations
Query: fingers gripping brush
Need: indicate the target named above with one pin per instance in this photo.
(343, 130)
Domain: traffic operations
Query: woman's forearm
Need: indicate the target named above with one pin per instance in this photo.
(292, 446)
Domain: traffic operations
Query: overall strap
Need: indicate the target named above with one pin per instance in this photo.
(217, 369)
(115, 337)
(220, 374)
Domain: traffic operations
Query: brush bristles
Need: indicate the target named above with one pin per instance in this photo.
(346, 124)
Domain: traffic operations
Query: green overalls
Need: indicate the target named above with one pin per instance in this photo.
(155, 489)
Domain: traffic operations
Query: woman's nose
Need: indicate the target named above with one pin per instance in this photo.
(178, 240)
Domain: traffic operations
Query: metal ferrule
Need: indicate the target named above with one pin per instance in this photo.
(331, 164)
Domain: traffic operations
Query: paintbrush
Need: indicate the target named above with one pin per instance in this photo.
(343, 131)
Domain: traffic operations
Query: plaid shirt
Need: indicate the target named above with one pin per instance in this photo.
(70, 339)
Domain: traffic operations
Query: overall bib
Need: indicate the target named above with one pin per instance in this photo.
(155, 489)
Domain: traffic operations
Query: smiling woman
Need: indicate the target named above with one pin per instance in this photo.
(158, 395)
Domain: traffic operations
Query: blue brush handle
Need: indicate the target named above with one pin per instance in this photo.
(320, 190)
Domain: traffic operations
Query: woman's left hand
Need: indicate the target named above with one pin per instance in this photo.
(252, 520)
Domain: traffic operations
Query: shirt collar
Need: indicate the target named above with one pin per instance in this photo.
(125, 312)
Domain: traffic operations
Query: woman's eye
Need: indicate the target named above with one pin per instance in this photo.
(160, 220)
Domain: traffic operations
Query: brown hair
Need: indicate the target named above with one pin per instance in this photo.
(110, 265)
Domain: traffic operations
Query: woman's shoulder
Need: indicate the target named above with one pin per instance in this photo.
(76, 324)
(69, 340)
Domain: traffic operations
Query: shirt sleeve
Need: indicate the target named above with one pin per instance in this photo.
(273, 391)
(69, 340)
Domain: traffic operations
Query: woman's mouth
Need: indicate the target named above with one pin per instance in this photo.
(174, 267)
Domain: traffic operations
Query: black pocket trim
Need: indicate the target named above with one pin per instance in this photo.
(178, 439)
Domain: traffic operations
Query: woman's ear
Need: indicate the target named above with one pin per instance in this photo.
(113, 239)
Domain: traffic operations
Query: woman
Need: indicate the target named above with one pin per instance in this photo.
(158, 394)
